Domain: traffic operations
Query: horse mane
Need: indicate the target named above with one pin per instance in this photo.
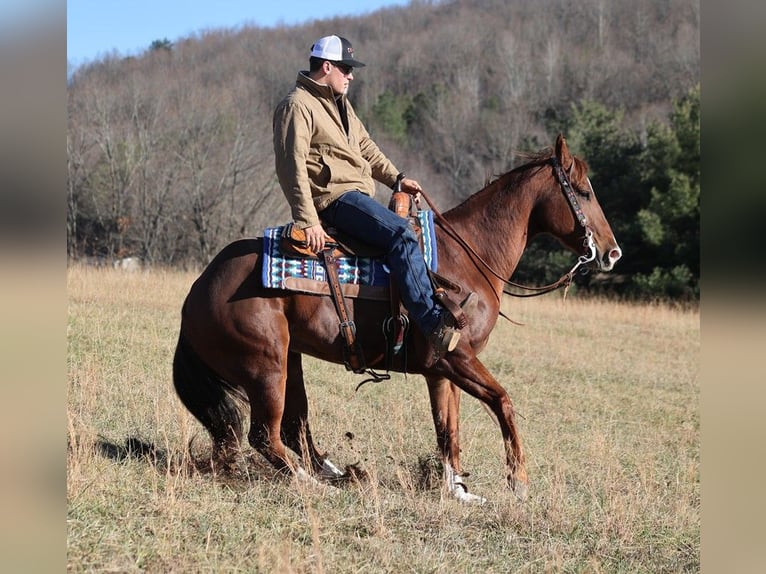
(531, 159)
(515, 176)
(523, 171)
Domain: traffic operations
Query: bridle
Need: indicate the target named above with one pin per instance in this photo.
(566, 187)
(590, 255)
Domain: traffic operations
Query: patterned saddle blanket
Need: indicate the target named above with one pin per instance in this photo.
(360, 277)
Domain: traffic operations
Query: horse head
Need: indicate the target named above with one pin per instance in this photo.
(570, 211)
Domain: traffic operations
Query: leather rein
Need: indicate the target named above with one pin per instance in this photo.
(566, 279)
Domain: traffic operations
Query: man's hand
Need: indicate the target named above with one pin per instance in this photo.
(316, 237)
(411, 186)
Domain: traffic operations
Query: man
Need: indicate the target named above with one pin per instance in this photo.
(326, 163)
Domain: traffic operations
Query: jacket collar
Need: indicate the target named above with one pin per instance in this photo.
(318, 90)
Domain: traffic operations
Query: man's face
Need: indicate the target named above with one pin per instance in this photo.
(339, 77)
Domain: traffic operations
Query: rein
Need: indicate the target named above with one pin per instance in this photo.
(565, 279)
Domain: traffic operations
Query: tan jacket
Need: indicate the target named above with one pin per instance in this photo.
(317, 159)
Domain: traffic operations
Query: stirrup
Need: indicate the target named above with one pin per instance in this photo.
(444, 338)
(458, 311)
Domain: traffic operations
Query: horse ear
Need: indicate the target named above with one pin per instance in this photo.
(562, 152)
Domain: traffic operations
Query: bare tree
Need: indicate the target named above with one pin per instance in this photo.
(113, 167)
(169, 154)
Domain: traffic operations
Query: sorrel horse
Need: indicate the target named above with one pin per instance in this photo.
(241, 343)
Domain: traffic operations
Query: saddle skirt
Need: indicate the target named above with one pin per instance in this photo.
(360, 277)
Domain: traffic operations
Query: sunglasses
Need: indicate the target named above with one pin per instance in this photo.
(345, 69)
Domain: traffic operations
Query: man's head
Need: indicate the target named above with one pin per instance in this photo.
(335, 49)
(332, 63)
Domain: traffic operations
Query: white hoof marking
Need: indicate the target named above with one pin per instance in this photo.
(457, 488)
(329, 470)
(303, 478)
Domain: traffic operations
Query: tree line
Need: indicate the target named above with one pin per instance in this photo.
(169, 153)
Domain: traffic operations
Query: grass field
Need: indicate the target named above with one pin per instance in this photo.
(609, 397)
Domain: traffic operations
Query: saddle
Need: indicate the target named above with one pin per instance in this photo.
(293, 244)
(293, 241)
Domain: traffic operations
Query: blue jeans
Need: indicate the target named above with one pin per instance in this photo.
(363, 218)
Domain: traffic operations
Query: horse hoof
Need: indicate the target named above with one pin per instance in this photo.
(457, 488)
(329, 471)
(465, 497)
(305, 482)
(521, 490)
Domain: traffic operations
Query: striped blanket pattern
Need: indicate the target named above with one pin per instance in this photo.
(278, 270)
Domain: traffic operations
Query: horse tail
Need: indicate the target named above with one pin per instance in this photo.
(213, 400)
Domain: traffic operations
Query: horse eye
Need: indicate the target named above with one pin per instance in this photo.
(583, 192)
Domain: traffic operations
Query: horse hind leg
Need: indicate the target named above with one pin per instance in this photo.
(445, 409)
(296, 432)
(272, 425)
(267, 402)
(212, 400)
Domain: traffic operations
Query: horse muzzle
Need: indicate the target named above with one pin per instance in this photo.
(609, 258)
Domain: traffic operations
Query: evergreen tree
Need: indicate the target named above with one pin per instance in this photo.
(669, 222)
(649, 192)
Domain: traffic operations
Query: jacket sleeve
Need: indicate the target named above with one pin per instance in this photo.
(292, 138)
(383, 170)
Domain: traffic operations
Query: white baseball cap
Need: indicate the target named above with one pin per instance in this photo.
(335, 49)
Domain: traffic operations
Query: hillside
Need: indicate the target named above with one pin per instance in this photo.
(169, 153)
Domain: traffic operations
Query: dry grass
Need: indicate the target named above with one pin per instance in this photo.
(609, 394)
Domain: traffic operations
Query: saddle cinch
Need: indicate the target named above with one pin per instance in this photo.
(293, 244)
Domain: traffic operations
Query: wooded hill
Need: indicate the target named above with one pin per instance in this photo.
(169, 153)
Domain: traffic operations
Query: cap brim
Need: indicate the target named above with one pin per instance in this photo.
(354, 63)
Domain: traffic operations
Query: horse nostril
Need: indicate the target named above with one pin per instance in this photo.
(608, 259)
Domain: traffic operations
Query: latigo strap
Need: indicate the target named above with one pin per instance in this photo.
(354, 357)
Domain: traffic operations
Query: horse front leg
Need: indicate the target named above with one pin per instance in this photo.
(465, 370)
(445, 409)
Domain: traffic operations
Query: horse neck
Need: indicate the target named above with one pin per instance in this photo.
(495, 221)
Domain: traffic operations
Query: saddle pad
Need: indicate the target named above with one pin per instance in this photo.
(308, 275)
